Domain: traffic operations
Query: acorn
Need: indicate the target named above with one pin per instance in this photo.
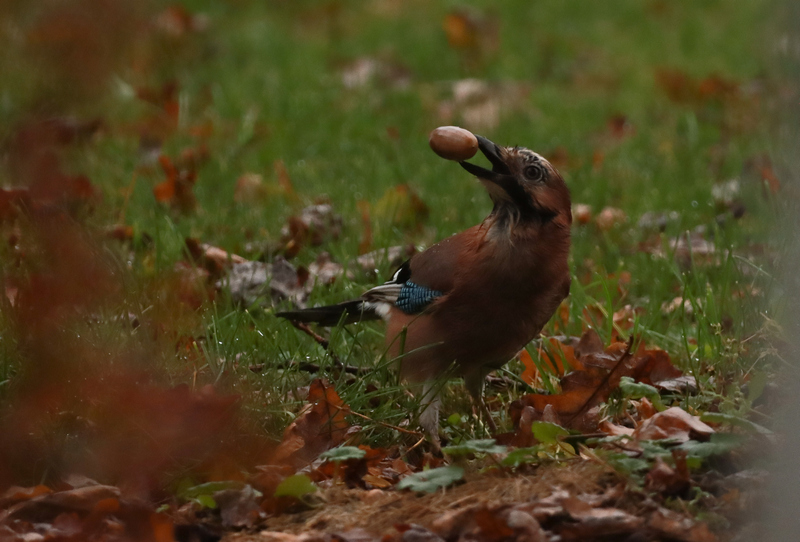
(453, 143)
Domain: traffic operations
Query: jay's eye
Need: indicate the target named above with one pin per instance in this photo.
(534, 173)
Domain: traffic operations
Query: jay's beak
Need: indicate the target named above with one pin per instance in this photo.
(492, 152)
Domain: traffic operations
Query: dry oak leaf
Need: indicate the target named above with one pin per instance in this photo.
(596, 374)
(319, 426)
(177, 188)
(675, 424)
(667, 480)
(315, 224)
(610, 217)
(581, 213)
(213, 259)
(674, 526)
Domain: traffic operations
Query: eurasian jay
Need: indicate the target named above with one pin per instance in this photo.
(471, 302)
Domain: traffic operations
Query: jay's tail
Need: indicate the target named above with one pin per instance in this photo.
(348, 312)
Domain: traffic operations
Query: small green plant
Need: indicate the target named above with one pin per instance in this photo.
(298, 486)
(477, 446)
(430, 481)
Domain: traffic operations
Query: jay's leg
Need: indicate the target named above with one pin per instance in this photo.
(429, 418)
(474, 384)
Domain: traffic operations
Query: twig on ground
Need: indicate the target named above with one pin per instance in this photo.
(322, 341)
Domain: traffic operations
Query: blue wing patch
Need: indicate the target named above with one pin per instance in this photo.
(414, 298)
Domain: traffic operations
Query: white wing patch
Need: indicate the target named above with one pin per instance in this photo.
(385, 293)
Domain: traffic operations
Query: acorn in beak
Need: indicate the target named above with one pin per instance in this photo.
(492, 151)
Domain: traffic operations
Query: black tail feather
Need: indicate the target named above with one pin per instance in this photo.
(330, 315)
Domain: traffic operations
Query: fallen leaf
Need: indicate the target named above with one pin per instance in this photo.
(659, 221)
(315, 224)
(319, 426)
(178, 188)
(479, 105)
(559, 158)
(365, 71)
(472, 33)
(620, 127)
(267, 284)
(16, 494)
(238, 507)
(669, 481)
(249, 188)
(324, 270)
(491, 525)
(674, 526)
(596, 373)
(176, 21)
(726, 193)
(610, 217)
(581, 213)
(674, 424)
(531, 373)
(213, 259)
(624, 318)
(769, 177)
(684, 89)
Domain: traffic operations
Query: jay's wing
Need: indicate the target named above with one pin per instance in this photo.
(421, 280)
(402, 292)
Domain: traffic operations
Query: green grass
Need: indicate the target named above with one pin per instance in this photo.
(266, 76)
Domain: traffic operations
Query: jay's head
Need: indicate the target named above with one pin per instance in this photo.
(522, 184)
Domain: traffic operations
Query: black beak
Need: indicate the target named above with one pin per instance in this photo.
(492, 152)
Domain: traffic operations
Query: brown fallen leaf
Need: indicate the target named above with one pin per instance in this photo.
(674, 424)
(669, 481)
(92, 512)
(319, 426)
(176, 21)
(213, 259)
(581, 213)
(366, 71)
(480, 106)
(249, 188)
(531, 373)
(461, 30)
(82, 500)
(619, 127)
(15, 494)
(239, 507)
(178, 188)
(614, 430)
(269, 284)
(472, 33)
(597, 372)
(610, 217)
(673, 526)
(324, 270)
(644, 408)
(490, 522)
(314, 225)
(191, 285)
(596, 522)
(684, 89)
